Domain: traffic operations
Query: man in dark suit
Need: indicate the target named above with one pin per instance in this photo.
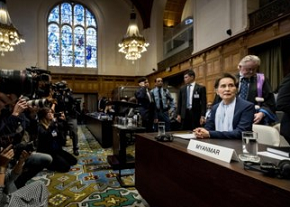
(101, 104)
(231, 116)
(256, 88)
(146, 104)
(283, 104)
(191, 107)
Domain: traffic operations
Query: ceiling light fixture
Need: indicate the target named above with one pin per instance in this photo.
(133, 43)
(9, 35)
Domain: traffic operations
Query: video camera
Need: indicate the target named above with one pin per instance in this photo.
(65, 100)
(60, 89)
(31, 82)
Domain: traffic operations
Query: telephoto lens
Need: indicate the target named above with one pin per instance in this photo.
(38, 103)
(16, 82)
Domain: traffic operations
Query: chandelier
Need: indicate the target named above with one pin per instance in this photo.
(9, 35)
(133, 43)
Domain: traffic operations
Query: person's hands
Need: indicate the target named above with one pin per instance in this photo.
(51, 100)
(258, 117)
(202, 120)
(201, 133)
(6, 155)
(19, 107)
(24, 155)
(178, 118)
(6, 99)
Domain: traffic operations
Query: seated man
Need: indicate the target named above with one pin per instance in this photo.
(230, 117)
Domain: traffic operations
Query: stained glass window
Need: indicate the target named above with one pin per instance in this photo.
(72, 36)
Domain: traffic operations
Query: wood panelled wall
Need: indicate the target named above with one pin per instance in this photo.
(94, 84)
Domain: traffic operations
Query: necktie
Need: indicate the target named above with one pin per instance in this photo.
(188, 105)
(244, 88)
(160, 99)
(149, 96)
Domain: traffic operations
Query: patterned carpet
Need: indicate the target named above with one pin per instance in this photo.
(91, 182)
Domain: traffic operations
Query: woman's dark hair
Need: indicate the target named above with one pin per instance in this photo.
(42, 112)
(225, 75)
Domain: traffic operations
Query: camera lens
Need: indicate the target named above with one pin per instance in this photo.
(38, 102)
(16, 82)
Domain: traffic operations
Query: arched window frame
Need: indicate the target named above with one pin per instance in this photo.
(84, 51)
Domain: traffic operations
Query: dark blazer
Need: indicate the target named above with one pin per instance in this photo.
(146, 108)
(198, 104)
(242, 120)
(267, 93)
(283, 104)
(47, 143)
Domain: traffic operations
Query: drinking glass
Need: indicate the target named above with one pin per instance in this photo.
(161, 128)
(249, 147)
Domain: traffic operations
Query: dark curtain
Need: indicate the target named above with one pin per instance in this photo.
(271, 63)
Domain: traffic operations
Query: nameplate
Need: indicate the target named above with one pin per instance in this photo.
(212, 150)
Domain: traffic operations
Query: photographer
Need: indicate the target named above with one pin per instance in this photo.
(50, 141)
(34, 194)
(13, 123)
(67, 104)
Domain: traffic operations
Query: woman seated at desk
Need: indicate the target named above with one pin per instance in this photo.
(231, 116)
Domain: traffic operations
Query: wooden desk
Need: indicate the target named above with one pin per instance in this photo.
(169, 175)
(122, 136)
(101, 129)
(120, 159)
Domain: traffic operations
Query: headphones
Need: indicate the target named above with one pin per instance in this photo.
(164, 138)
(282, 170)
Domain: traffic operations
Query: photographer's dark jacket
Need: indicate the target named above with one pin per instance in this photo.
(12, 128)
(67, 104)
(49, 138)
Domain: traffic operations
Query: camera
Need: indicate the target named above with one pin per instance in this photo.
(38, 102)
(65, 100)
(31, 82)
(18, 148)
(60, 87)
(17, 145)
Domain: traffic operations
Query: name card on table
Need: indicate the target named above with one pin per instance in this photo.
(212, 150)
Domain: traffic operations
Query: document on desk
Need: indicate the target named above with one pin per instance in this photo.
(184, 135)
(272, 155)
